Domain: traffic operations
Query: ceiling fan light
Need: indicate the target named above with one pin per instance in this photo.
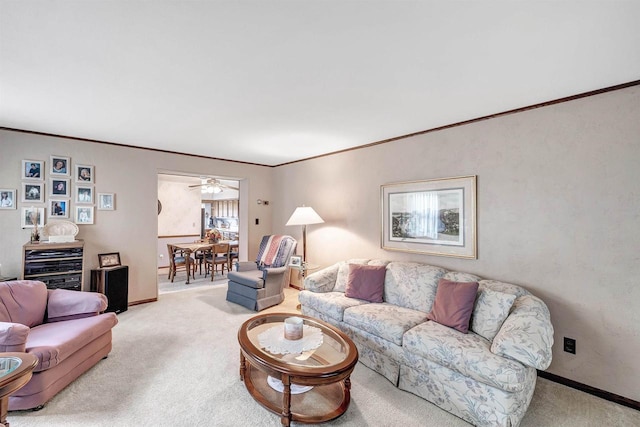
(216, 189)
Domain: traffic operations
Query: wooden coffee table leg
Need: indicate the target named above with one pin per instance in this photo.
(286, 401)
(4, 408)
(243, 366)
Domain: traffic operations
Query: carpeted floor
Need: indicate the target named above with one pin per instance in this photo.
(179, 281)
(175, 363)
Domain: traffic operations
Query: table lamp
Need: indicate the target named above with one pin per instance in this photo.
(304, 215)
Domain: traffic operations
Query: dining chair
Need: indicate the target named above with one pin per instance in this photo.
(200, 255)
(233, 254)
(219, 256)
(177, 260)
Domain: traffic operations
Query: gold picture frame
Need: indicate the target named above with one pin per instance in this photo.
(433, 217)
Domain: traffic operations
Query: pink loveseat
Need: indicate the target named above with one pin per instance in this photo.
(63, 329)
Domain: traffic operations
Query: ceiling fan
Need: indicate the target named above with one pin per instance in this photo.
(212, 185)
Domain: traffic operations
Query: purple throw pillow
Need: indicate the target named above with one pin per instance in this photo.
(454, 304)
(366, 282)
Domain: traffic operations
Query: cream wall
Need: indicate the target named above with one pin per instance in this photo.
(558, 213)
(180, 205)
(180, 214)
(132, 228)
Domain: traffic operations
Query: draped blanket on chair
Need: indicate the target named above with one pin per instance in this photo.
(274, 250)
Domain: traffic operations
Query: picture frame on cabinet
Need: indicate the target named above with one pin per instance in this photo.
(109, 260)
(295, 261)
(8, 198)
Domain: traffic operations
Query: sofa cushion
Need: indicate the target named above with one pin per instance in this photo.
(507, 288)
(468, 354)
(366, 282)
(251, 278)
(384, 320)
(454, 304)
(332, 304)
(490, 311)
(412, 285)
(458, 276)
(343, 273)
(323, 280)
(52, 343)
(23, 301)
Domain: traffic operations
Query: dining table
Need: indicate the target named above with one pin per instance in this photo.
(189, 248)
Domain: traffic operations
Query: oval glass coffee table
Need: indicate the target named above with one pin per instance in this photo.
(15, 371)
(311, 386)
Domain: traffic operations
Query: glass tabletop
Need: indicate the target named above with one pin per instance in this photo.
(333, 350)
(8, 365)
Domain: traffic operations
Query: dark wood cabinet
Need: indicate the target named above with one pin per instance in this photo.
(58, 265)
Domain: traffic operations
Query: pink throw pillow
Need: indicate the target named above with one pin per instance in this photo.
(366, 282)
(454, 304)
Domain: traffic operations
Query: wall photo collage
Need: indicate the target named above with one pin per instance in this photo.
(71, 192)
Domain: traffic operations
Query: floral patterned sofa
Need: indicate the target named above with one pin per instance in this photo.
(486, 376)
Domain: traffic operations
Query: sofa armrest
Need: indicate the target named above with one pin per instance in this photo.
(13, 337)
(527, 334)
(272, 271)
(323, 280)
(246, 266)
(64, 304)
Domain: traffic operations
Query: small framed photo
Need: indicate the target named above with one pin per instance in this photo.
(84, 214)
(32, 216)
(84, 194)
(33, 169)
(84, 173)
(60, 166)
(106, 201)
(33, 192)
(60, 187)
(295, 261)
(109, 260)
(7, 198)
(59, 208)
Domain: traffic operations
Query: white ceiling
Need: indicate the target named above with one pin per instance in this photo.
(272, 81)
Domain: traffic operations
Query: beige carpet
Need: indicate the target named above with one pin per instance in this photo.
(175, 363)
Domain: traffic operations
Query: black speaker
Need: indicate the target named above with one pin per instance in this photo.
(114, 283)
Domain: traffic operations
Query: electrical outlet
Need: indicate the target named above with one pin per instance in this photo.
(257, 221)
(570, 345)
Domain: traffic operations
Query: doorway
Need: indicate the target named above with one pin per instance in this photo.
(191, 206)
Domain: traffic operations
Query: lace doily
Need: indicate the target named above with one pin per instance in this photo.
(273, 340)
